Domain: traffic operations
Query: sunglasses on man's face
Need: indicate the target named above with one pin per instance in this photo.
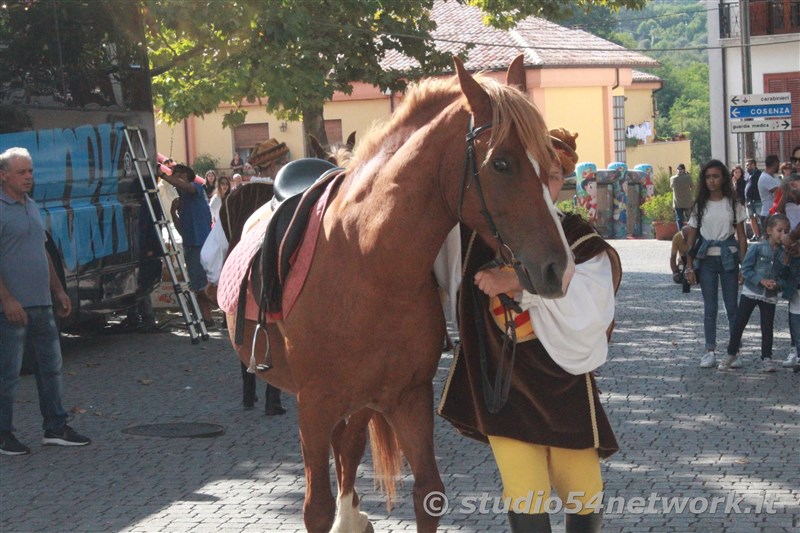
(794, 160)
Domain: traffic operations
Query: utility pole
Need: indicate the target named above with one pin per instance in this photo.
(747, 77)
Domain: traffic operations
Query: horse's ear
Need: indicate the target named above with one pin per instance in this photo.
(351, 141)
(478, 100)
(515, 77)
(316, 147)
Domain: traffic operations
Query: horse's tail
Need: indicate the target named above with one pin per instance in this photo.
(387, 459)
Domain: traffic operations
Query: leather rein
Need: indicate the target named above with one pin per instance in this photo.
(495, 392)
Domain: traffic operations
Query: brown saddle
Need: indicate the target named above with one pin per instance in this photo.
(298, 187)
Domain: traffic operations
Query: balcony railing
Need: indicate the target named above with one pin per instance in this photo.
(767, 17)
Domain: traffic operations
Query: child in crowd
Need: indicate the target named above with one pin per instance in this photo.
(766, 274)
(794, 314)
(789, 205)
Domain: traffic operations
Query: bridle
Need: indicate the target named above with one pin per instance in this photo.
(495, 394)
(506, 256)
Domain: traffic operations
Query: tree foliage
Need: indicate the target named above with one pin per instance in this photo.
(673, 32)
(296, 53)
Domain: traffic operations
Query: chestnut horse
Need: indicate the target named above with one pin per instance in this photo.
(364, 336)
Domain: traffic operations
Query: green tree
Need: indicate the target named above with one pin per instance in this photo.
(297, 53)
(673, 32)
(690, 115)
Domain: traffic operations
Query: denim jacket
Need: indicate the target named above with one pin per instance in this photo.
(762, 262)
(730, 259)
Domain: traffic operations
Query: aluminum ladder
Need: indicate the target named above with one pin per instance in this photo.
(172, 255)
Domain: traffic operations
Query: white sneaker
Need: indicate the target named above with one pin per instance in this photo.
(737, 363)
(791, 360)
(768, 365)
(709, 360)
(727, 362)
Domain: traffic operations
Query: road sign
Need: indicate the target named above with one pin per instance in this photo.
(761, 111)
(753, 126)
(760, 99)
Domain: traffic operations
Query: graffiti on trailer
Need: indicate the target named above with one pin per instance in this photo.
(76, 180)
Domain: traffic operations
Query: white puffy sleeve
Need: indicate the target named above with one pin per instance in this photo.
(573, 329)
(447, 267)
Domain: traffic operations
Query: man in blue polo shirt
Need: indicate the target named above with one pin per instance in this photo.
(194, 225)
(27, 280)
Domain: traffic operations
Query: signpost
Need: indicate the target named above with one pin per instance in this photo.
(752, 126)
(761, 99)
(762, 111)
(750, 113)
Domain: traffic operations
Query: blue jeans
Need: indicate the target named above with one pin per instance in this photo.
(711, 276)
(197, 274)
(41, 334)
(794, 331)
(743, 313)
(681, 214)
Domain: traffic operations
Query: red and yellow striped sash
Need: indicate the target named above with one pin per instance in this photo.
(522, 320)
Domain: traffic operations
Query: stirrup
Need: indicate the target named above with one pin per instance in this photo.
(263, 367)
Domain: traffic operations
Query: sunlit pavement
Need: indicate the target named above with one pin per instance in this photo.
(687, 435)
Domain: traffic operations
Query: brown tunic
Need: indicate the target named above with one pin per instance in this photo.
(546, 405)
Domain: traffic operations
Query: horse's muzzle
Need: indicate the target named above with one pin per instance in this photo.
(550, 280)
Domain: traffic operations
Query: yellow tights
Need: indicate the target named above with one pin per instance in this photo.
(528, 471)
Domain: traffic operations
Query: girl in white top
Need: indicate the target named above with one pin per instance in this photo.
(215, 204)
(717, 226)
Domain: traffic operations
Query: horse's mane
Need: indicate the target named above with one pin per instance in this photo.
(341, 154)
(511, 110)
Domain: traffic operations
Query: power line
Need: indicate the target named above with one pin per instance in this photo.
(616, 49)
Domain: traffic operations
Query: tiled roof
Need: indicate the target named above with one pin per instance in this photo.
(544, 43)
(638, 75)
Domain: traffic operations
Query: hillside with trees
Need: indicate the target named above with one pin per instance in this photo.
(673, 32)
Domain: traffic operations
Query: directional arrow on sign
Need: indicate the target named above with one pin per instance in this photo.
(761, 99)
(761, 111)
(753, 126)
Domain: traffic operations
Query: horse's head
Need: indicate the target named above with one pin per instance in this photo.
(504, 194)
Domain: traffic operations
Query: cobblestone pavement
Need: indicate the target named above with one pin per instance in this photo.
(684, 433)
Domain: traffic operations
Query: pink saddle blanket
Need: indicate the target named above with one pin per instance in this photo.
(239, 259)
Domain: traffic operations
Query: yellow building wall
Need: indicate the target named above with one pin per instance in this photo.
(211, 138)
(661, 155)
(358, 116)
(581, 110)
(639, 108)
(171, 140)
(584, 108)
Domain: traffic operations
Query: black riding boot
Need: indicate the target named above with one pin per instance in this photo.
(529, 523)
(249, 398)
(583, 523)
(273, 406)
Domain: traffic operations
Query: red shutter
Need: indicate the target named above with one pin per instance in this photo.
(333, 129)
(784, 82)
(246, 136)
(759, 18)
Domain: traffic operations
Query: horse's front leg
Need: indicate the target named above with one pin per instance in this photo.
(412, 421)
(349, 441)
(316, 426)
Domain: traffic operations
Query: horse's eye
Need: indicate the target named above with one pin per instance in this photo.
(500, 165)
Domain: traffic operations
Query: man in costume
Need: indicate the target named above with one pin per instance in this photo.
(549, 429)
